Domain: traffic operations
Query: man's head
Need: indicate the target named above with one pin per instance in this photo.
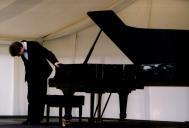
(16, 49)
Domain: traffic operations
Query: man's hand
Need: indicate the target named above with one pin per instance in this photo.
(57, 64)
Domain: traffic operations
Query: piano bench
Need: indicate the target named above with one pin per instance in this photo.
(63, 101)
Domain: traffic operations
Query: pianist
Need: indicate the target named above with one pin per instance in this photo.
(37, 70)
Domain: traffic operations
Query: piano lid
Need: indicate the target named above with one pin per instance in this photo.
(140, 45)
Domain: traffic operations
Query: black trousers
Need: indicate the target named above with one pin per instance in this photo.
(37, 89)
(68, 110)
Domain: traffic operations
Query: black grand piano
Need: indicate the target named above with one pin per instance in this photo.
(159, 58)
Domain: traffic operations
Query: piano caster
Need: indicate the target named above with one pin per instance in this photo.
(187, 123)
(99, 120)
(91, 120)
(122, 117)
(95, 120)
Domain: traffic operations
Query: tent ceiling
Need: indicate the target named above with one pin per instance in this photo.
(48, 19)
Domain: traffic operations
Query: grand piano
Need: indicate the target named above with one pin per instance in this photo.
(159, 58)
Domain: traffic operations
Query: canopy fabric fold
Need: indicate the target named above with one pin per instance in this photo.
(49, 19)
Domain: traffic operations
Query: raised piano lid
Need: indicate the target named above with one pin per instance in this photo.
(142, 45)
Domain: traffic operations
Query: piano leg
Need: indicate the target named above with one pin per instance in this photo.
(92, 108)
(123, 96)
(68, 110)
(98, 108)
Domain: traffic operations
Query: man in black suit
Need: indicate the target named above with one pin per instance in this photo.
(37, 70)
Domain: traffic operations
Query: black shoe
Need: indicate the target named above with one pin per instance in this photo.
(26, 122)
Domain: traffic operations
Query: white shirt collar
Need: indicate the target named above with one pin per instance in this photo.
(24, 45)
(25, 48)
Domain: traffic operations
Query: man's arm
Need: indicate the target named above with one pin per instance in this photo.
(47, 54)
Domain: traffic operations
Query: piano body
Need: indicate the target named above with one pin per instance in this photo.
(158, 56)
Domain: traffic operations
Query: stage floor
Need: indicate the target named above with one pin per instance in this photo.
(106, 123)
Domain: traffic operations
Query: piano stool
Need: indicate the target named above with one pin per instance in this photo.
(64, 101)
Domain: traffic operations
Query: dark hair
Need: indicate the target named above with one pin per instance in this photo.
(14, 48)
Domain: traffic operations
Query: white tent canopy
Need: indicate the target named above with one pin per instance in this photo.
(48, 19)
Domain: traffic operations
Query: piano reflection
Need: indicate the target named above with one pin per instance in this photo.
(158, 56)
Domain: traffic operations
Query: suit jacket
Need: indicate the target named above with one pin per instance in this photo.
(37, 64)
